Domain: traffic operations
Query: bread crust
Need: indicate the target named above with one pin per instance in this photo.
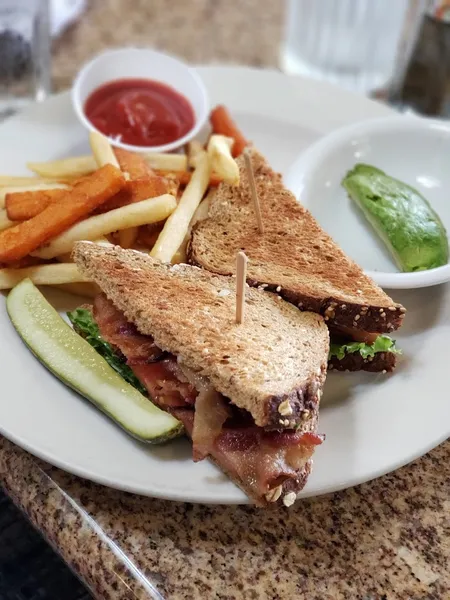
(381, 362)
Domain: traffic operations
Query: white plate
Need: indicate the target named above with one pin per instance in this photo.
(373, 424)
(414, 150)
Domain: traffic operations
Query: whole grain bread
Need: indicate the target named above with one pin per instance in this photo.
(273, 364)
(293, 256)
(381, 362)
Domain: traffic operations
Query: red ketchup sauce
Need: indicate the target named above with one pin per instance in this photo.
(142, 112)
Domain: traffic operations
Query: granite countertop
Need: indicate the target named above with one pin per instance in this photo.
(387, 539)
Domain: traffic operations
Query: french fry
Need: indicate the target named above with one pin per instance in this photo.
(167, 162)
(79, 166)
(142, 189)
(102, 150)
(195, 150)
(133, 215)
(67, 256)
(15, 181)
(29, 188)
(5, 222)
(86, 290)
(221, 122)
(66, 168)
(222, 163)
(53, 274)
(20, 240)
(176, 226)
(180, 255)
(203, 208)
(22, 206)
(184, 177)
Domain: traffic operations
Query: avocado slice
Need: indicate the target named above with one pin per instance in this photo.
(401, 216)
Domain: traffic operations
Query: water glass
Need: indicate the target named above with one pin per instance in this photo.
(24, 53)
(362, 45)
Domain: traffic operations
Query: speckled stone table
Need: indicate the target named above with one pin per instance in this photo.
(387, 539)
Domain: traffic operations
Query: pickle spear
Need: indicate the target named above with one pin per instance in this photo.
(401, 216)
(78, 365)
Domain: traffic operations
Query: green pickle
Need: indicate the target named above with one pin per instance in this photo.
(401, 216)
(75, 362)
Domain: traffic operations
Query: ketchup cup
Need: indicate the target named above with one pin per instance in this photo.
(141, 64)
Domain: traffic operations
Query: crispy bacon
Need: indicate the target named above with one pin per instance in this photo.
(211, 412)
(265, 459)
(115, 329)
(260, 459)
(163, 385)
(158, 371)
(357, 335)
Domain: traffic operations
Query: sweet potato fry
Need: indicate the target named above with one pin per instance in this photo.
(134, 164)
(184, 177)
(221, 122)
(20, 240)
(22, 206)
(5, 223)
(92, 228)
(141, 189)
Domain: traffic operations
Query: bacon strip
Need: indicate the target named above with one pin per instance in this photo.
(211, 412)
(357, 335)
(120, 333)
(260, 459)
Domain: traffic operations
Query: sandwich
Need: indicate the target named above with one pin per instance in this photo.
(247, 394)
(299, 261)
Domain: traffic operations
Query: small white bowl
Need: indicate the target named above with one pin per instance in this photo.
(142, 63)
(413, 149)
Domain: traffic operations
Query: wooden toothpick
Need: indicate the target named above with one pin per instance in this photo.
(251, 180)
(241, 276)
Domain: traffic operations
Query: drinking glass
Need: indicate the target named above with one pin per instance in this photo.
(24, 53)
(362, 45)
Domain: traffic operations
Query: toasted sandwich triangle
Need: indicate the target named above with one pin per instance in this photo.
(279, 353)
(294, 256)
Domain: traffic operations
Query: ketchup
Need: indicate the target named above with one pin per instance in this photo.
(140, 112)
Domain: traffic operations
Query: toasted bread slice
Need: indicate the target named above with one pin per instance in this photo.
(293, 256)
(278, 354)
(381, 362)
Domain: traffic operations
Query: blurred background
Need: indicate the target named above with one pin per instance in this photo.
(396, 52)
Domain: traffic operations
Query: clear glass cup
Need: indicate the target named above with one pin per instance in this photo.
(24, 53)
(362, 45)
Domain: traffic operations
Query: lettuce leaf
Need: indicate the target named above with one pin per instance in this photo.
(383, 343)
(84, 324)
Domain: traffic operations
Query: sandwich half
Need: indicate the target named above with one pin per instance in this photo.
(295, 258)
(247, 394)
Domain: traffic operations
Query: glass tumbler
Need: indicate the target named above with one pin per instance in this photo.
(362, 45)
(24, 53)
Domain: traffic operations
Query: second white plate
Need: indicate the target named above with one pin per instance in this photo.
(411, 149)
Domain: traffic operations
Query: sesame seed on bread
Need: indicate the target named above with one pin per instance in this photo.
(276, 357)
(294, 256)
